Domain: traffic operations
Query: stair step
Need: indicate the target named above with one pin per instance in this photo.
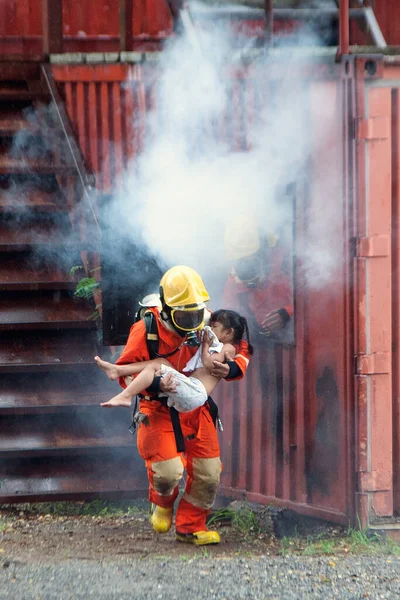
(44, 311)
(10, 165)
(36, 230)
(51, 392)
(119, 472)
(24, 271)
(31, 200)
(48, 445)
(13, 71)
(37, 434)
(12, 126)
(46, 351)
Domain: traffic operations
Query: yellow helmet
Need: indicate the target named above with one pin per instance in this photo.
(183, 292)
(241, 238)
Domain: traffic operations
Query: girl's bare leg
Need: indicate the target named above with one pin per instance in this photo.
(109, 369)
(113, 372)
(142, 381)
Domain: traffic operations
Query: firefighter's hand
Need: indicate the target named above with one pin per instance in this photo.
(221, 369)
(168, 384)
(272, 322)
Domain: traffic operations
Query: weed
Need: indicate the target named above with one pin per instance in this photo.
(392, 547)
(184, 557)
(243, 520)
(86, 287)
(285, 545)
(96, 508)
(324, 546)
(206, 553)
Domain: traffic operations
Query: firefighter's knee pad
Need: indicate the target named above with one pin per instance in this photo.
(166, 475)
(205, 479)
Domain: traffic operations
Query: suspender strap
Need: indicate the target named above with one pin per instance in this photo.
(176, 426)
(213, 410)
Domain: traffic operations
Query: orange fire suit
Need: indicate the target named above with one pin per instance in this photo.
(157, 444)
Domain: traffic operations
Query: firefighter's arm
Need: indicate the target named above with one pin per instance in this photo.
(235, 365)
(209, 359)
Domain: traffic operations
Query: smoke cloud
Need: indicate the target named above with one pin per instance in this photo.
(225, 138)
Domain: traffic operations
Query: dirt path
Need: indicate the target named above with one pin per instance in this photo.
(26, 536)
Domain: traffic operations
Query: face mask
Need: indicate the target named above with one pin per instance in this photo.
(249, 270)
(187, 320)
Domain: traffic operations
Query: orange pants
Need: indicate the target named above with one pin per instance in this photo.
(165, 466)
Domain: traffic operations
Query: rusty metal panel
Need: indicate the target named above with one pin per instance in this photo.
(289, 426)
(387, 13)
(374, 300)
(92, 26)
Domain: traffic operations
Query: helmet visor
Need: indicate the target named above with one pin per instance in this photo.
(187, 320)
(248, 269)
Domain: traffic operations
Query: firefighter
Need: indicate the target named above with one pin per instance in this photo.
(259, 283)
(168, 441)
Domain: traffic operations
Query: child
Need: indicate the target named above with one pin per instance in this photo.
(223, 336)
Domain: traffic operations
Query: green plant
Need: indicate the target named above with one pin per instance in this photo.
(95, 508)
(244, 519)
(86, 287)
(324, 546)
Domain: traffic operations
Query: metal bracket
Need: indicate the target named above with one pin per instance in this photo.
(375, 481)
(373, 246)
(374, 364)
(374, 128)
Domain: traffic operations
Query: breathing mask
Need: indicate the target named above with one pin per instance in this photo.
(187, 322)
(249, 269)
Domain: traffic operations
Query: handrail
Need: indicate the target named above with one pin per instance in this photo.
(87, 180)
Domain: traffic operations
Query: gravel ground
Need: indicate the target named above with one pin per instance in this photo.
(63, 557)
(204, 578)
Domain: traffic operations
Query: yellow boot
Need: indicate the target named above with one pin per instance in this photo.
(199, 538)
(161, 518)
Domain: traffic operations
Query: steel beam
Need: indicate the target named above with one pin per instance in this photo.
(52, 27)
(126, 25)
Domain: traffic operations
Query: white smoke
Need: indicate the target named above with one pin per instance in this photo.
(190, 181)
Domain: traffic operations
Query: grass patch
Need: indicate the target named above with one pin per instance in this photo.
(95, 508)
(352, 542)
(243, 520)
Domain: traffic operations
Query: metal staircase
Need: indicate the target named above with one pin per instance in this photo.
(55, 440)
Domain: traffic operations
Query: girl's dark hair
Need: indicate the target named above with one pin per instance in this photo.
(231, 319)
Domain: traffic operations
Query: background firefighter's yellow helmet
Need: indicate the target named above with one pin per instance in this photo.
(241, 238)
(184, 295)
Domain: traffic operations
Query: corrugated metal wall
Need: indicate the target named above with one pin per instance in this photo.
(377, 290)
(289, 425)
(90, 26)
(93, 26)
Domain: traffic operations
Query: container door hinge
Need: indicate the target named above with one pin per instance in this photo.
(373, 246)
(374, 364)
(374, 128)
(375, 481)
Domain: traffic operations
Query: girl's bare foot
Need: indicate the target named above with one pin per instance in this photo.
(109, 369)
(121, 399)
